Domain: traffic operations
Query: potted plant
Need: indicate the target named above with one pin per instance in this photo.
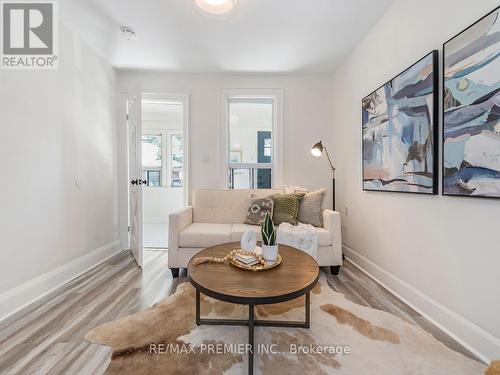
(269, 245)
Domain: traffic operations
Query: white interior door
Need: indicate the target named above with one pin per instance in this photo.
(134, 125)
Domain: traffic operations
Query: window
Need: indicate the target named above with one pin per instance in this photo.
(152, 159)
(250, 142)
(163, 166)
(153, 178)
(252, 135)
(176, 162)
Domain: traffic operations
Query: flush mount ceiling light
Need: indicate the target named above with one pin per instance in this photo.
(216, 7)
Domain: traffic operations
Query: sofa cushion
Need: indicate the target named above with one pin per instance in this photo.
(324, 237)
(205, 235)
(237, 231)
(225, 206)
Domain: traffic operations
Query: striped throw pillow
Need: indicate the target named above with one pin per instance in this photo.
(286, 208)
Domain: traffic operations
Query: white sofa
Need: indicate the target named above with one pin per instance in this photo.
(217, 217)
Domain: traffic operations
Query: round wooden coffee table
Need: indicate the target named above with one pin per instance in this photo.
(294, 277)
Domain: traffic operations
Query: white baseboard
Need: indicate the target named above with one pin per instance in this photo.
(480, 342)
(21, 296)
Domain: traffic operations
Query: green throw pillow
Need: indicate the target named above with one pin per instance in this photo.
(286, 208)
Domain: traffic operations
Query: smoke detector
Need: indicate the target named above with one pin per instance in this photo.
(128, 32)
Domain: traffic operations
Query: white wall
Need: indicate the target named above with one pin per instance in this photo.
(58, 196)
(307, 118)
(158, 203)
(439, 253)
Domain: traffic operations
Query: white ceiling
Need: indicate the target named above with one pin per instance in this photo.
(271, 36)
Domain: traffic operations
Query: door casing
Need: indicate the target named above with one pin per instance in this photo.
(122, 150)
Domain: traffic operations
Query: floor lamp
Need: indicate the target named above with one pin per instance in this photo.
(317, 151)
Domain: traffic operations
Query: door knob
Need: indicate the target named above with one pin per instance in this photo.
(139, 182)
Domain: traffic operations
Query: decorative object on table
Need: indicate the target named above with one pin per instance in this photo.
(246, 262)
(471, 121)
(317, 151)
(248, 258)
(249, 240)
(400, 122)
(269, 244)
(258, 209)
(217, 260)
(311, 208)
(286, 208)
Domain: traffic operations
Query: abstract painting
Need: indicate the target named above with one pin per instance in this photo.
(471, 110)
(400, 131)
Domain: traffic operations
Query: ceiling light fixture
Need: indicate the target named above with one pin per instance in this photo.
(216, 7)
(128, 32)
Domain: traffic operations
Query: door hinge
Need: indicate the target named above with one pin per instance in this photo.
(127, 116)
(129, 228)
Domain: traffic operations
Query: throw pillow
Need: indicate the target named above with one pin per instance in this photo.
(311, 208)
(258, 210)
(286, 208)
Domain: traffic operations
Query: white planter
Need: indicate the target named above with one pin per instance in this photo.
(270, 253)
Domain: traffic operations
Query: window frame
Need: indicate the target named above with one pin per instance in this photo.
(146, 172)
(166, 155)
(169, 135)
(159, 133)
(276, 165)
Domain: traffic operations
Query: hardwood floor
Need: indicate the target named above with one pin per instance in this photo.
(47, 336)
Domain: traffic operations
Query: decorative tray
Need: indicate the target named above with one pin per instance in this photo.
(257, 267)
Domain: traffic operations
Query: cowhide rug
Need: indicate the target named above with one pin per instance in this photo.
(379, 343)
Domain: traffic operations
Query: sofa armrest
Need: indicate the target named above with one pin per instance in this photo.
(331, 222)
(177, 222)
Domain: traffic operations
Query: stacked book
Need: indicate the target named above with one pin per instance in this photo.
(247, 260)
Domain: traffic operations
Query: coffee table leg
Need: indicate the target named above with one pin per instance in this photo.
(251, 322)
(197, 308)
(308, 310)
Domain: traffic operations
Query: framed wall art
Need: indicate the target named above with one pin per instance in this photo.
(399, 122)
(471, 110)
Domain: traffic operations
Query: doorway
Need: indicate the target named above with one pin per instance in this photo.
(153, 170)
(163, 166)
